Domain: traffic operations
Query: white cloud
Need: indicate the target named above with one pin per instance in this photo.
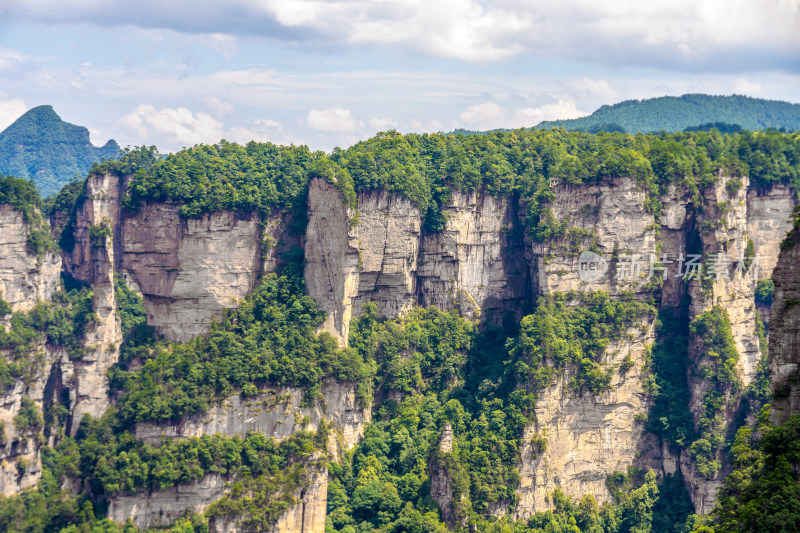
(490, 115)
(333, 120)
(218, 107)
(10, 59)
(260, 130)
(744, 35)
(585, 87)
(223, 43)
(382, 124)
(745, 86)
(11, 110)
(178, 127)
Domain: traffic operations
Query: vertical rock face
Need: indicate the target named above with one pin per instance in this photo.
(308, 514)
(588, 437)
(24, 278)
(278, 413)
(443, 486)
(189, 270)
(20, 460)
(161, 508)
(92, 260)
(332, 258)
(476, 263)
(784, 334)
(481, 264)
(725, 228)
(608, 217)
(471, 266)
(388, 237)
(768, 220)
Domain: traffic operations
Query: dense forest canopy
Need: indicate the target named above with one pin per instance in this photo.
(677, 113)
(266, 178)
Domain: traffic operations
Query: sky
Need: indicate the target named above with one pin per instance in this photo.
(326, 73)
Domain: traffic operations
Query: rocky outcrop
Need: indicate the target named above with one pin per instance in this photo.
(444, 491)
(20, 459)
(609, 219)
(475, 264)
(160, 508)
(580, 440)
(91, 260)
(188, 270)
(308, 514)
(590, 437)
(388, 238)
(24, 278)
(332, 258)
(784, 334)
(278, 413)
(481, 261)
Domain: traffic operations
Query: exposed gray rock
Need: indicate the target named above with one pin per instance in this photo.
(160, 508)
(188, 270)
(24, 278)
(278, 413)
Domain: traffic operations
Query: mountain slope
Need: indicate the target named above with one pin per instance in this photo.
(675, 113)
(42, 147)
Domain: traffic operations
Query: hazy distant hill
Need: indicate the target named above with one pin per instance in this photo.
(676, 113)
(42, 147)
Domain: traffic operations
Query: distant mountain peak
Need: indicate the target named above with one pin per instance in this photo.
(40, 146)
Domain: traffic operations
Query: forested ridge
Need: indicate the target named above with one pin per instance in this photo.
(677, 113)
(39, 146)
(426, 373)
(424, 168)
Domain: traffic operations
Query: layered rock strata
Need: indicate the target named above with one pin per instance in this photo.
(278, 413)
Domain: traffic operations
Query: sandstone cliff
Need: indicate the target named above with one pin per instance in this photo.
(482, 263)
(784, 335)
(188, 270)
(24, 278)
(475, 264)
(277, 413)
(92, 260)
(478, 263)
